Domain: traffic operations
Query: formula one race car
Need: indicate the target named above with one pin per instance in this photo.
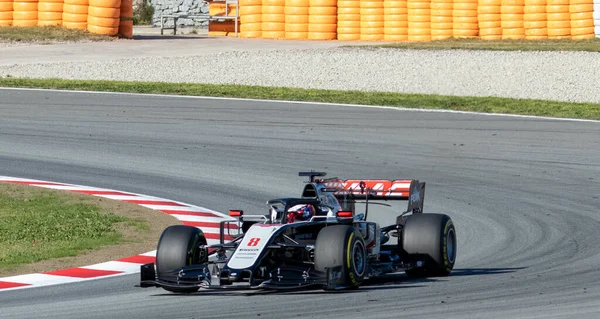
(316, 240)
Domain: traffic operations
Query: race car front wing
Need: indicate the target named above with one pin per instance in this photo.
(281, 278)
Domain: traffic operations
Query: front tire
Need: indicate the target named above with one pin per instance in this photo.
(432, 238)
(179, 246)
(342, 246)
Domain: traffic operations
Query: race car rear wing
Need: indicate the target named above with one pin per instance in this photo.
(372, 189)
(411, 190)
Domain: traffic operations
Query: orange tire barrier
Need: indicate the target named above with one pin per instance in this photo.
(582, 19)
(512, 12)
(250, 27)
(103, 22)
(6, 6)
(273, 19)
(535, 20)
(75, 8)
(50, 5)
(49, 18)
(75, 14)
(99, 18)
(395, 20)
(322, 20)
(104, 12)
(558, 19)
(348, 20)
(75, 25)
(372, 20)
(419, 21)
(291, 35)
(296, 19)
(251, 18)
(489, 19)
(25, 6)
(250, 34)
(105, 3)
(441, 19)
(273, 34)
(250, 10)
(399, 20)
(6, 13)
(25, 13)
(102, 30)
(465, 19)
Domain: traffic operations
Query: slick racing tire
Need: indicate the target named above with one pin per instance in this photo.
(342, 245)
(431, 238)
(179, 246)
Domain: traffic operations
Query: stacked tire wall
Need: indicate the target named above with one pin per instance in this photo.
(250, 18)
(582, 19)
(107, 17)
(322, 20)
(535, 19)
(426, 20)
(419, 20)
(348, 20)
(465, 23)
(6, 13)
(50, 12)
(558, 24)
(395, 20)
(25, 13)
(273, 19)
(442, 20)
(296, 19)
(103, 16)
(363, 20)
(75, 14)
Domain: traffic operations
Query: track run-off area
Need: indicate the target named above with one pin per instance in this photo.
(189, 215)
(523, 193)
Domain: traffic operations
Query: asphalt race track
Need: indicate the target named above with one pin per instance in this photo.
(523, 193)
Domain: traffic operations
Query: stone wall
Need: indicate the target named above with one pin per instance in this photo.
(180, 6)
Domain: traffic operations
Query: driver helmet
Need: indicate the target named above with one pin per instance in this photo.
(302, 212)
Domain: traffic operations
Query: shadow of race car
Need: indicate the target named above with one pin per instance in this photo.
(315, 240)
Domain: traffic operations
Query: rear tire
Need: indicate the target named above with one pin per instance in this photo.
(342, 245)
(432, 237)
(178, 247)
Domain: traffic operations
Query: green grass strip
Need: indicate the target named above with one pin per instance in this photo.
(460, 103)
(45, 226)
(48, 34)
(591, 45)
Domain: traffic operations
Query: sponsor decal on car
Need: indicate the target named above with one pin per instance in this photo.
(252, 245)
